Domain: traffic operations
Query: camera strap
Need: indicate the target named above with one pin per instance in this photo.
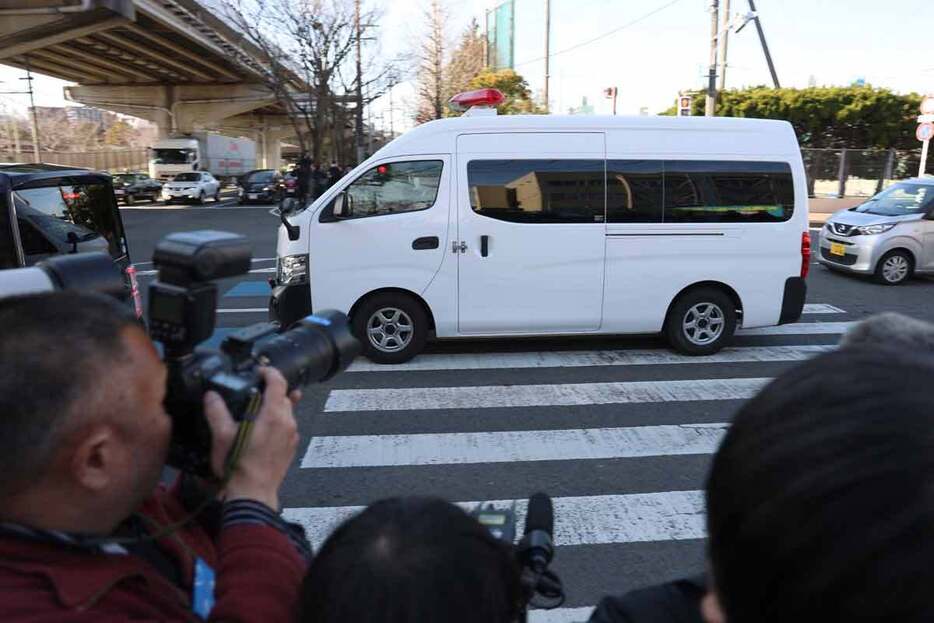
(244, 430)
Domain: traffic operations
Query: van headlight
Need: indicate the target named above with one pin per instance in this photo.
(869, 230)
(292, 269)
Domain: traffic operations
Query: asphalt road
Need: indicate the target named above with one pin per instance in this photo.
(618, 430)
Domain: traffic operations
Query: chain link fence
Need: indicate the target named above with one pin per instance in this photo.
(857, 172)
(111, 160)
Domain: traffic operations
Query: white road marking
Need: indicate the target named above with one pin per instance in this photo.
(821, 308)
(579, 520)
(560, 615)
(509, 446)
(801, 328)
(210, 206)
(412, 398)
(583, 358)
(254, 260)
(245, 310)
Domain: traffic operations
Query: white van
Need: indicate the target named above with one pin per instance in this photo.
(484, 226)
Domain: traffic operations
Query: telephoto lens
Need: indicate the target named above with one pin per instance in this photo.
(312, 350)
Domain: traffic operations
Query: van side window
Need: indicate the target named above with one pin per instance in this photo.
(634, 191)
(395, 187)
(728, 192)
(538, 191)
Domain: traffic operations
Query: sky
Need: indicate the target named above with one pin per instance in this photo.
(659, 47)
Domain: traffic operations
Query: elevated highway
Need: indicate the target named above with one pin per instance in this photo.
(172, 62)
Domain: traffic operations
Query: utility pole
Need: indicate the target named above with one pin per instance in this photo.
(358, 116)
(725, 36)
(711, 102)
(392, 114)
(765, 47)
(547, 50)
(35, 114)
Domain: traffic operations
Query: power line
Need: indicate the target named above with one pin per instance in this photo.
(604, 35)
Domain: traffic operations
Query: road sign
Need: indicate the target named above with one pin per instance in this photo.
(925, 118)
(925, 131)
(927, 105)
(684, 105)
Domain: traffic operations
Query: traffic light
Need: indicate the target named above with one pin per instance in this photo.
(684, 105)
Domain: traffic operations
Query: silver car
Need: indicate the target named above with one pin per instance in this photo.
(890, 236)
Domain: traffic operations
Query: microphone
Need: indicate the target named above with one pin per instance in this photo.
(536, 548)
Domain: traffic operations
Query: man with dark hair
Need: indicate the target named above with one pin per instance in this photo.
(412, 560)
(85, 534)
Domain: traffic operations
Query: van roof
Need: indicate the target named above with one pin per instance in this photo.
(431, 137)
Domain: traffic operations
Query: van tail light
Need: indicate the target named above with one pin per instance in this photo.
(805, 254)
(134, 290)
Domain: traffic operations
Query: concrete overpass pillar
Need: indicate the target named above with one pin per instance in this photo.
(269, 146)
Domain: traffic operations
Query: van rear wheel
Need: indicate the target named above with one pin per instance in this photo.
(701, 322)
(392, 327)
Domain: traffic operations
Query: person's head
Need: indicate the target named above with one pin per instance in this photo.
(83, 433)
(820, 500)
(412, 560)
(891, 330)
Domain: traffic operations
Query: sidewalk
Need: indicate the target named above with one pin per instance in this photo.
(820, 208)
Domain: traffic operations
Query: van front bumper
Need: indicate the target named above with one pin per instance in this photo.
(290, 303)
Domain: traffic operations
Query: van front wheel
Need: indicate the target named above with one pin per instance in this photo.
(392, 327)
(701, 322)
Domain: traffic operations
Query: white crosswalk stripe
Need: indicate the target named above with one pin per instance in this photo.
(579, 520)
(429, 439)
(574, 359)
(509, 446)
(417, 398)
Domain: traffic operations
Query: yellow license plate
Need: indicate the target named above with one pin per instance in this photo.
(837, 249)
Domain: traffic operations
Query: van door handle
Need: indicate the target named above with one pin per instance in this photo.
(424, 243)
(484, 246)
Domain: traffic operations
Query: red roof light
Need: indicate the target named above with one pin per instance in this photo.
(480, 97)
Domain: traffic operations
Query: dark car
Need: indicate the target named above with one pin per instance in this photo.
(48, 210)
(260, 185)
(289, 184)
(133, 186)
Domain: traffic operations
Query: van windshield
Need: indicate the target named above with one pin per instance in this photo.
(86, 210)
(900, 199)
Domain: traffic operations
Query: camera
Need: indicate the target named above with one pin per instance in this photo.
(541, 587)
(182, 310)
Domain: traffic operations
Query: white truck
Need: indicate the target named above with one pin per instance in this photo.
(222, 156)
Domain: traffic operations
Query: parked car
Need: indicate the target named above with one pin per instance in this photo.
(130, 187)
(289, 184)
(260, 185)
(531, 225)
(193, 186)
(890, 236)
(48, 210)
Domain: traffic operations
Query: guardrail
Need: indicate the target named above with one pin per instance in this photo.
(110, 160)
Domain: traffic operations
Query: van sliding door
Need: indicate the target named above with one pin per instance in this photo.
(531, 213)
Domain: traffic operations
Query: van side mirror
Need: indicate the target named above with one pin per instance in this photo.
(343, 206)
(72, 239)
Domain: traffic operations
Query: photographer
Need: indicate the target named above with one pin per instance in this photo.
(412, 560)
(819, 500)
(85, 533)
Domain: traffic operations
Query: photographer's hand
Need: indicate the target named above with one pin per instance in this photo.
(266, 458)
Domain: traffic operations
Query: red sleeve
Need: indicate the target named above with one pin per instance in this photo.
(258, 577)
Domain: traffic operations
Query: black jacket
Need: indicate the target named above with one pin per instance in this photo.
(672, 602)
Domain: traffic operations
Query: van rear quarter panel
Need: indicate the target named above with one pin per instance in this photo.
(649, 264)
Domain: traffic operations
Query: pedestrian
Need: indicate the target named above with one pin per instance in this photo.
(318, 180)
(412, 560)
(86, 534)
(819, 500)
(303, 177)
(334, 173)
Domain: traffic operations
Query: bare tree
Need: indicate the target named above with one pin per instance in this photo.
(467, 60)
(432, 64)
(307, 46)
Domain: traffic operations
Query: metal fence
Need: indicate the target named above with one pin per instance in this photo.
(111, 160)
(857, 172)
